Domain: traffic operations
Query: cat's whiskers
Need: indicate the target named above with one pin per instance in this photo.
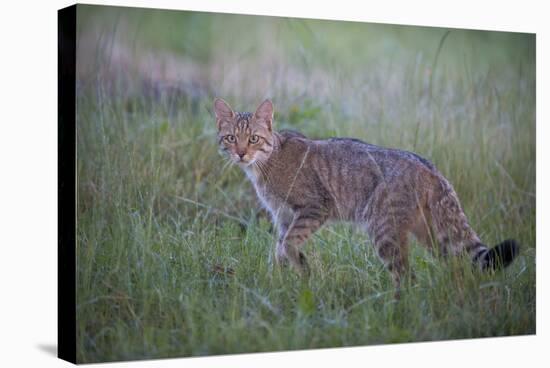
(262, 167)
(226, 165)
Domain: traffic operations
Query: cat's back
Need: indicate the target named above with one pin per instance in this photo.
(355, 152)
(348, 172)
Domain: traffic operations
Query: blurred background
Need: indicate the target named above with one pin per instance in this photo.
(174, 254)
(368, 73)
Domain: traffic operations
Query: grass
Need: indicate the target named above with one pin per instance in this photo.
(174, 255)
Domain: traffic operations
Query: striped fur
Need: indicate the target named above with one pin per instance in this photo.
(390, 193)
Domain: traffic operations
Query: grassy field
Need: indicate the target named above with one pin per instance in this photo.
(174, 254)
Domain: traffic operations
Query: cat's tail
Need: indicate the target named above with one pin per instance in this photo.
(500, 256)
(455, 235)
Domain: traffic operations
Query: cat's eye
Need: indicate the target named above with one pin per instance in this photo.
(230, 138)
(254, 139)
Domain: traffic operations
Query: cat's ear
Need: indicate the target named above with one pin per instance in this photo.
(223, 111)
(264, 113)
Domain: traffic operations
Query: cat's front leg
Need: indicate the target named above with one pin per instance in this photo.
(280, 254)
(303, 225)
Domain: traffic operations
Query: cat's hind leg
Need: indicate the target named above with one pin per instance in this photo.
(388, 222)
(423, 231)
(392, 248)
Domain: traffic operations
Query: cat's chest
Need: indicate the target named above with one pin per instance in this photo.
(269, 196)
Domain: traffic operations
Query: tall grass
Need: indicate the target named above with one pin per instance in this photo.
(174, 255)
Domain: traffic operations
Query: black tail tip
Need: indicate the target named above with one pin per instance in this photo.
(501, 255)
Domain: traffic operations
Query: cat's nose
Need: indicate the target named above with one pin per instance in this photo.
(241, 154)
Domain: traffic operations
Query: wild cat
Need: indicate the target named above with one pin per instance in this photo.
(390, 193)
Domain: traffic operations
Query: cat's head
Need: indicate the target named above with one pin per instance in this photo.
(245, 137)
